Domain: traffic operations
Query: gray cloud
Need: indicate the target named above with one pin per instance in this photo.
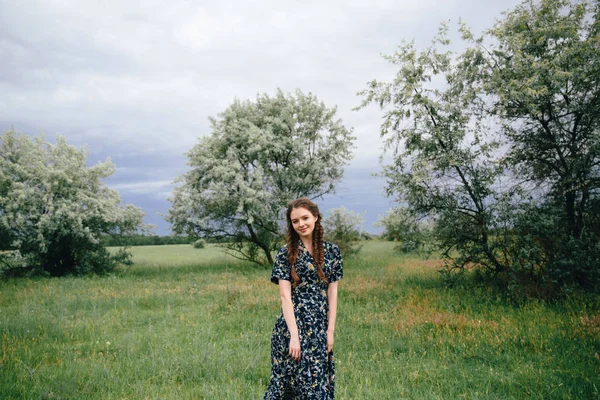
(138, 81)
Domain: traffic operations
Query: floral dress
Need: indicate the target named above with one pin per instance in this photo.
(312, 377)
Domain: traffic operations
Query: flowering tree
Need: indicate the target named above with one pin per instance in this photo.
(500, 144)
(53, 208)
(260, 155)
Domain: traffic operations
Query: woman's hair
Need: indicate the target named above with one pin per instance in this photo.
(293, 238)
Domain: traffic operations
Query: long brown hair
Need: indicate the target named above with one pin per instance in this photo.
(293, 238)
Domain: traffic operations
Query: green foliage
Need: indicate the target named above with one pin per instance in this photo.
(144, 240)
(342, 227)
(364, 235)
(260, 155)
(400, 225)
(54, 209)
(199, 244)
(445, 164)
(505, 132)
(545, 85)
(545, 260)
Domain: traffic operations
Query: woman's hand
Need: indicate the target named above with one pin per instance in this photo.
(329, 341)
(295, 347)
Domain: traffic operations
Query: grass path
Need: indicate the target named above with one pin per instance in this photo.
(194, 324)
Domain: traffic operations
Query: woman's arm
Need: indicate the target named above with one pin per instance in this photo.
(332, 299)
(285, 292)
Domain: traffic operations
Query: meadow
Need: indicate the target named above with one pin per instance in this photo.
(185, 323)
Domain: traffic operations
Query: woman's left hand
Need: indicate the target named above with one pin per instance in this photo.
(329, 341)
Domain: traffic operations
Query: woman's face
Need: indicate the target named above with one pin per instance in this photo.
(303, 222)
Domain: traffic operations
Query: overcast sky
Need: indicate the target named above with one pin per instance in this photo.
(137, 80)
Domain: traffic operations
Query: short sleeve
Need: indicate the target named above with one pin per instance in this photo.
(337, 264)
(281, 267)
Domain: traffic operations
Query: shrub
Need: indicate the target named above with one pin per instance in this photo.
(199, 244)
(342, 228)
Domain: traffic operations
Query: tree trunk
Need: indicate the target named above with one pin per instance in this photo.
(260, 244)
(570, 210)
(585, 194)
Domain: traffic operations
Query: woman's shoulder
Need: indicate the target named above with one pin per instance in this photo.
(282, 249)
(330, 247)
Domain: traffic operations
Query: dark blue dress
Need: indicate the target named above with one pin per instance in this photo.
(313, 376)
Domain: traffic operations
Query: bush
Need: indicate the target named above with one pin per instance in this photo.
(540, 260)
(342, 228)
(199, 244)
(545, 261)
(401, 225)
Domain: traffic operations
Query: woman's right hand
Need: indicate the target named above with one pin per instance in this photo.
(295, 347)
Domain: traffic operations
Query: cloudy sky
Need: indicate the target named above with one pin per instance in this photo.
(137, 80)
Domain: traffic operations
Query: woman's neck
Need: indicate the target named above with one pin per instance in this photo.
(307, 243)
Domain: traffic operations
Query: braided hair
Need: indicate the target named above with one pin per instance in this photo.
(293, 238)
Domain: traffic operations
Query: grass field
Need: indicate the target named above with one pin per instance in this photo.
(185, 323)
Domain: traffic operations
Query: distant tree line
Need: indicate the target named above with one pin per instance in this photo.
(150, 240)
(144, 240)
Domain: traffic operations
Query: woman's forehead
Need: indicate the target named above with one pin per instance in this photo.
(299, 212)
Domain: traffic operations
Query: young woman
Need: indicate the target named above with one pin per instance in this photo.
(307, 270)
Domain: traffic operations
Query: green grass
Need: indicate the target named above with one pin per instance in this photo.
(185, 323)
